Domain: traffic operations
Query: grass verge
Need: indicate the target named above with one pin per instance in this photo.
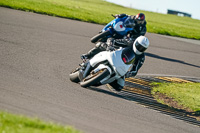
(184, 96)
(10, 123)
(99, 11)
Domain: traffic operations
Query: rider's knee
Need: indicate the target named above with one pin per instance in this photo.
(116, 85)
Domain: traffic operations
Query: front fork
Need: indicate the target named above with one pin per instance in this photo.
(87, 69)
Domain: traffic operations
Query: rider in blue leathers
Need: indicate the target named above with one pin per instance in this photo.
(138, 23)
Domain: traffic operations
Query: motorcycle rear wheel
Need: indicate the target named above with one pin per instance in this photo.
(94, 78)
(100, 36)
(74, 75)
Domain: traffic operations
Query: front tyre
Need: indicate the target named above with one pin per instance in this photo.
(100, 36)
(94, 78)
(74, 75)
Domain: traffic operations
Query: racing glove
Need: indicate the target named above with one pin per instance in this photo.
(110, 42)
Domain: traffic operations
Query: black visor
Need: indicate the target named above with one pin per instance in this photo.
(128, 55)
(139, 47)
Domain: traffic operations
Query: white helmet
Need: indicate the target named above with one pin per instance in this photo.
(140, 45)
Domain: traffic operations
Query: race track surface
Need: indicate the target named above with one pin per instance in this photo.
(37, 53)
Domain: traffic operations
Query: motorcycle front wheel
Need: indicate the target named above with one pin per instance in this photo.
(74, 75)
(94, 78)
(100, 36)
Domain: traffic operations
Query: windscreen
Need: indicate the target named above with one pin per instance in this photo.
(128, 55)
(129, 23)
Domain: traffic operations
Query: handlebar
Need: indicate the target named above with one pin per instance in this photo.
(113, 15)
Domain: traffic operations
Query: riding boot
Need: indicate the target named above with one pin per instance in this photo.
(93, 52)
(100, 46)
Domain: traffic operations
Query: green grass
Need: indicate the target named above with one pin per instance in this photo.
(99, 11)
(10, 123)
(186, 94)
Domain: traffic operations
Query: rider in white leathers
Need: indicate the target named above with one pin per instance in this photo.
(138, 47)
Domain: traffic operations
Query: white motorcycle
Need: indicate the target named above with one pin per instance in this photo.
(105, 67)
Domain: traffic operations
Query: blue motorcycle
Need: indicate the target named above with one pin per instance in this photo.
(117, 28)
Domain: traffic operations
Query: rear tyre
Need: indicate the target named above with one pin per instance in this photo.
(74, 75)
(94, 78)
(100, 36)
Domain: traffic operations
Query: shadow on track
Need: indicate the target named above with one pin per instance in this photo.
(168, 59)
(150, 103)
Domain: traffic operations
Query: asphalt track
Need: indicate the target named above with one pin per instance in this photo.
(37, 53)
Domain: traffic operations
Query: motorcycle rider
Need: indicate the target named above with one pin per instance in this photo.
(133, 54)
(138, 48)
(138, 23)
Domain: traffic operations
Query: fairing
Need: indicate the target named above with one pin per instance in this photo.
(117, 26)
(114, 59)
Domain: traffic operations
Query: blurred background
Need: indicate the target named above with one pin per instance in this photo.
(181, 7)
